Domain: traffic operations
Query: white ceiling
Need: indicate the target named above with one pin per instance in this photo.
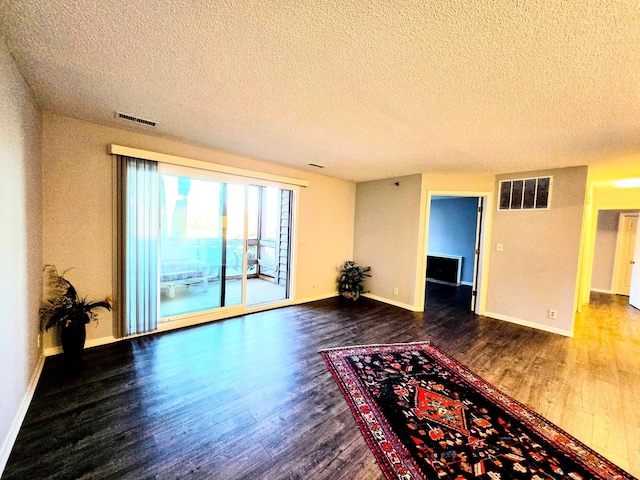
(368, 89)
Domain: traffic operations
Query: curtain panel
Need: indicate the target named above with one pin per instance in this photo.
(138, 227)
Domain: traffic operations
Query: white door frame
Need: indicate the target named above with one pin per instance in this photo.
(485, 248)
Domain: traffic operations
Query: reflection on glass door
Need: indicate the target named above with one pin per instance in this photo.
(268, 244)
(202, 244)
(234, 251)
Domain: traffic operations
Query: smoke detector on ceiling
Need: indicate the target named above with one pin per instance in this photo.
(131, 118)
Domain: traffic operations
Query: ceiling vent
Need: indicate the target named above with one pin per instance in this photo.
(131, 118)
(315, 165)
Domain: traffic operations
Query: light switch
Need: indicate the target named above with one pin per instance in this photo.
(499, 247)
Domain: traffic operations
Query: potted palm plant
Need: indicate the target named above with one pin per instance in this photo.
(69, 312)
(351, 279)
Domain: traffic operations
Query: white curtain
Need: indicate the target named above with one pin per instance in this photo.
(137, 246)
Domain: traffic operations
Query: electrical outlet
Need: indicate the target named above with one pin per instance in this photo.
(553, 314)
(313, 286)
(395, 290)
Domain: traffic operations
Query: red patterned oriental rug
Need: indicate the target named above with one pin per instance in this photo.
(424, 415)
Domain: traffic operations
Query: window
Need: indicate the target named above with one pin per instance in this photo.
(525, 194)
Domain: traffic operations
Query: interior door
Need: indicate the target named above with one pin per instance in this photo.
(634, 290)
(476, 257)
(625, 253)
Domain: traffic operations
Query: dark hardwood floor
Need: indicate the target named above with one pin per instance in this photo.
(251, 398)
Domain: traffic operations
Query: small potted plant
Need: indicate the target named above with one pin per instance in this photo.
(351, 279)
(69, 312)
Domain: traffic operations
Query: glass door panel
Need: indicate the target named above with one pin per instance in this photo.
(234, 244)
(269, 215)
(190, 245)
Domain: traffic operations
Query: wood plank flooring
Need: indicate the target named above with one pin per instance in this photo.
(251, 398)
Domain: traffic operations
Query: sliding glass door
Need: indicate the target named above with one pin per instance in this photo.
(268, 244)
(223, 244)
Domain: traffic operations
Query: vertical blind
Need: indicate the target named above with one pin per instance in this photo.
(137, 246)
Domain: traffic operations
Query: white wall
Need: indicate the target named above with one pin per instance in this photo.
(78, 226)
(538, 268)
(20, 247)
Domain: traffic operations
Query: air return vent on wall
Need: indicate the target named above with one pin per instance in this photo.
(525, 194)
(131, 118)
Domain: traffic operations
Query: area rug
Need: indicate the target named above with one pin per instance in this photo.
(426, 416)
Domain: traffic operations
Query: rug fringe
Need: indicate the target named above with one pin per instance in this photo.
(424, 342)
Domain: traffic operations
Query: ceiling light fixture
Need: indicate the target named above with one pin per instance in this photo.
(628, 183)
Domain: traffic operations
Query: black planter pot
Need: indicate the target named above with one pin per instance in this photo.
(72, 338)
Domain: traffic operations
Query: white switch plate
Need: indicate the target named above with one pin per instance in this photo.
(499, 247)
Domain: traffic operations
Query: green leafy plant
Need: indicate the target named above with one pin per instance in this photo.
(351, 279)
(66, 306)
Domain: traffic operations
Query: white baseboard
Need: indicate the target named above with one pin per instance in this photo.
(316, 298)
(10, 439)
(406, 306)
(93, 342)
(527, 323)
(601, 290)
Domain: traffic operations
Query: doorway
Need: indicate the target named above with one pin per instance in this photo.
(454, 246)
(615, 254)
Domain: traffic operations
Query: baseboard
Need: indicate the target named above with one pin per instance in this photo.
(10, 439)
(527, 323)
(602, 290)
(316, 298)
(406, 306)
(93, 342)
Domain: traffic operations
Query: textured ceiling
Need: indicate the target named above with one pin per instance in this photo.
(368, 89)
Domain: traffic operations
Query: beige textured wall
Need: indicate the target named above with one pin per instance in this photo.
(605, 250)
(538, 268)
(616, 198)
(78, 209)
(459, 183)
(20, 242)
(387, 235)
